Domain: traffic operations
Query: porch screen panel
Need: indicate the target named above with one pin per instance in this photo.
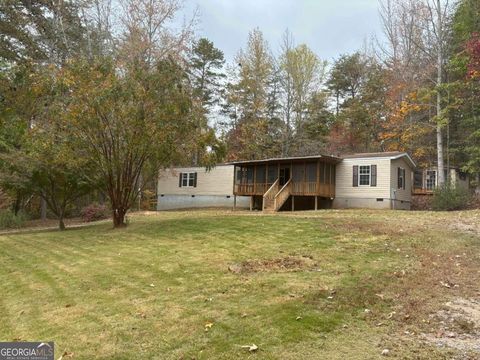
(272, 173)
(249, 175)
(298, 173)
(261, 175)
(418, 179)
(311, 172)
(327, 174)
(238, 174)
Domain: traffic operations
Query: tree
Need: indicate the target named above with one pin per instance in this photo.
(254, 134)
(150, 33)
(42, 30)
(126, 121)
(206, 62)
(206, 72)
(302, 74)
(358, 84)
(38, 159)
(464, 87)
(346, 78)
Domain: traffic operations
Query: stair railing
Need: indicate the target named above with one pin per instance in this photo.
(269, 196)
(282, 195)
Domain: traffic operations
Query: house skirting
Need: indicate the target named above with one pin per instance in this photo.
(370, 203)
(172, 202)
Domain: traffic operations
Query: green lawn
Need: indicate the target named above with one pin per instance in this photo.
(325, 285)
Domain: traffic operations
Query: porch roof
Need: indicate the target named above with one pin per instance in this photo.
(328, 158)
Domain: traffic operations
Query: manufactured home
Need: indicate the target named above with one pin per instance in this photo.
(197, 187)
(372, 180)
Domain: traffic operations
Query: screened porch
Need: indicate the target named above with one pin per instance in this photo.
(303, 176)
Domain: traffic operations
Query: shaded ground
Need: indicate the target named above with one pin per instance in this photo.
(204, 284)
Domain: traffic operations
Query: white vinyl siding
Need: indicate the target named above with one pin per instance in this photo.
(401, 194)
(344, 175)
(217, 181)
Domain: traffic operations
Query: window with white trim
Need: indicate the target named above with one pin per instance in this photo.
(188, 179)
(364, 175)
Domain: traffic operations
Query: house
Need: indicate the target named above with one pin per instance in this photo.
(197, 187)
(372, 180)
(426, 180)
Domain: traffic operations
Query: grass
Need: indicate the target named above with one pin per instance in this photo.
(362, 280)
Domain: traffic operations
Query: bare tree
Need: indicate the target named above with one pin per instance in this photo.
(149, 31)
(287, 88)
(417, 36)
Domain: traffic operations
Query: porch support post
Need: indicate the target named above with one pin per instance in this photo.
(251, 203)
(316, 202)
(234, 202)
(255, 178)
(293, 202)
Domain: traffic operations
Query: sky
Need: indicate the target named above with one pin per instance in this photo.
(329, 27)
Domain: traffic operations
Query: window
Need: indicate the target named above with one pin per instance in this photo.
(364, 175)
(418, 179)
(188, 179)
(401, 178)
(430, 179)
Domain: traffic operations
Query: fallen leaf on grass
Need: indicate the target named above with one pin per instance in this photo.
(250, 348)
(391, 315)
(208, 326)
(142, 315)
(66, 354)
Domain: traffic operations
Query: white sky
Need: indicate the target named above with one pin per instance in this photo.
(329, 27)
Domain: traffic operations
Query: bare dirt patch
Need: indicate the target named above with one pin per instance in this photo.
(458, 325)
(287, 263)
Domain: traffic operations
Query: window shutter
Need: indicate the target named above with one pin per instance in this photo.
(404, 178)
(355, 175)
(180, 180)
(373, 171)
(194, 179)
(399, 175)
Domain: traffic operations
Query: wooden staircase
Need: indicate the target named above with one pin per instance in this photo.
(274, 198)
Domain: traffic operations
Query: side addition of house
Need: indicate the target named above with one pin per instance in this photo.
(197, 187)
(375, 180)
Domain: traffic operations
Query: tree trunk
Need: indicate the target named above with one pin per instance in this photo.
(17, 204)
(119, 218)
(440, 164)
(43, 209)
(61, 224)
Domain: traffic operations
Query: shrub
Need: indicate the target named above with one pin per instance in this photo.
(450, 198)
(8, 220)
(94, 212)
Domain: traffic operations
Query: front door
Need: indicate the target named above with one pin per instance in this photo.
(284, 175)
